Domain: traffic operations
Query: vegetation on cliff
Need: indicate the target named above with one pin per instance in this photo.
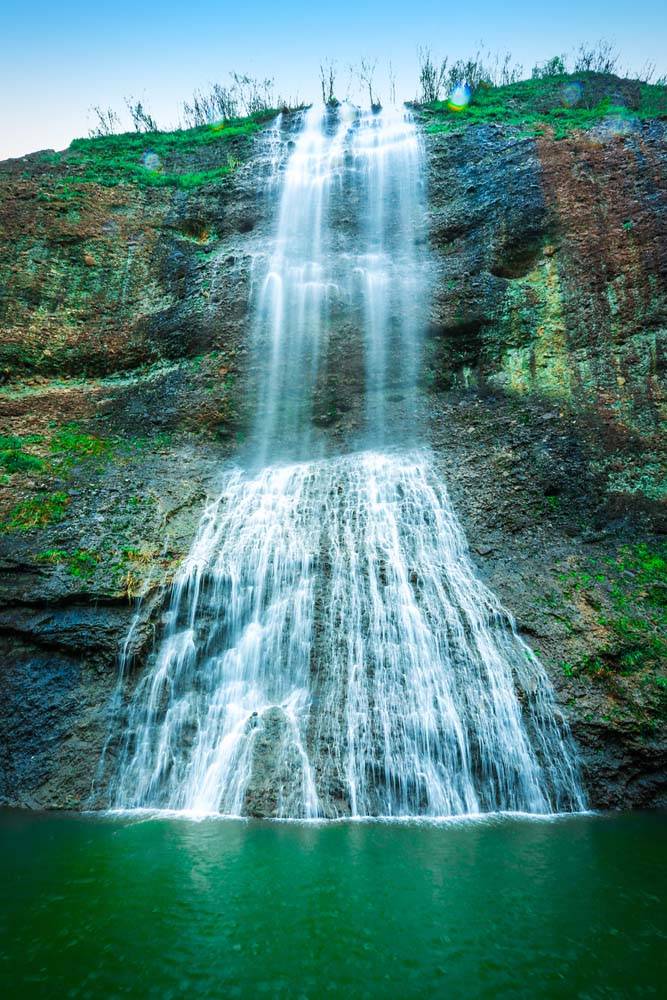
(560, 103)
(623, 598)
(158, 159)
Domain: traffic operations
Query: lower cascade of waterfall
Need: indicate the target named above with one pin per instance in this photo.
(329, 651)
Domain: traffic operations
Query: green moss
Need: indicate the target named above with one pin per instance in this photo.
(643, 570)
(123, 568)
(634, 589)
(62, 192)
(14, 458)
(37, 512)
(592, 665)
(537, 104)
(130, 445)
(71, 441)
(531, 325)
(65, 446)
(20, 461)
(81, 563)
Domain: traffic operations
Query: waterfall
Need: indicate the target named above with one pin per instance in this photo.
(349, 222)
(328, 649)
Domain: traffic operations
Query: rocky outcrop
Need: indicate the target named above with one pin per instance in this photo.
(547, 355)
(124, 332)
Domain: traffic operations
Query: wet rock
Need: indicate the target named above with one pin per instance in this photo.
(275, 787)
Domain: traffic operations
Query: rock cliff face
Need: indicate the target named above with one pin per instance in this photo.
(124, 332)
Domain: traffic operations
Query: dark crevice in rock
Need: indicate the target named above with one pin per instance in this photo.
(516, 263)
(468, 330)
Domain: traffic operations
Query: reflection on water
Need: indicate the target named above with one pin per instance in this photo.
(94, 907)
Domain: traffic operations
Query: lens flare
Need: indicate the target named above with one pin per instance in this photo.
(151, 161)
(571, 94)
(618, 125)
(460, 97)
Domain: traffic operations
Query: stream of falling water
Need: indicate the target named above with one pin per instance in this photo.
(328, 649)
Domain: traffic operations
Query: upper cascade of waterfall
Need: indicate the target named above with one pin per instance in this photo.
(344, 272)
(328, 649)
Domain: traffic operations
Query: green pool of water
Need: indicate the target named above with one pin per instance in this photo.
(98, 907)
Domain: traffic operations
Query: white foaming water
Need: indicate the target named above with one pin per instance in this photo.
(350, 216)
(328, 649)
(332, 607)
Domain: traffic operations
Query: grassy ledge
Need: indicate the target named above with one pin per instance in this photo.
(160, 159)
(564, 103)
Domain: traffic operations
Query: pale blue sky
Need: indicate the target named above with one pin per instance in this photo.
(58, 59)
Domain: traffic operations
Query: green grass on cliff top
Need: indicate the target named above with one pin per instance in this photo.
(151, 158)
(548, 103)
(160, 159)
